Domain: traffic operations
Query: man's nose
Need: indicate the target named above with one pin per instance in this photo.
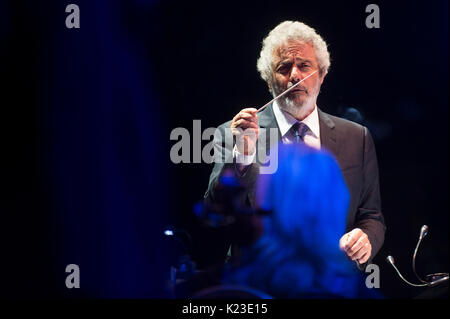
(295, 75)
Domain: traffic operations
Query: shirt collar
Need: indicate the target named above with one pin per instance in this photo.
(285, 120)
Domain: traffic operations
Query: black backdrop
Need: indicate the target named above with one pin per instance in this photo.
(106, 97)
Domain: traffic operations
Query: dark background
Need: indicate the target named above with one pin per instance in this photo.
(88, 115)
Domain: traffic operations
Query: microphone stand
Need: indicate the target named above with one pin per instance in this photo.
(435, 279)
(423, 233)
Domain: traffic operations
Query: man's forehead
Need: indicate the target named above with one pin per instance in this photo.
(295, 47)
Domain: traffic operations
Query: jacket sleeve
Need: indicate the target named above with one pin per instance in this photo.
(219, 239)
(224, 161)
(369, 217)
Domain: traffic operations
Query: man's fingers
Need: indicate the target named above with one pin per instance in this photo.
(357, 246)
(342, 241)
(245, 112)
(245, 116)
(365, 257)
(352, 238)
(244, 124)
(249, 109)
(359, 253)
(250, 117)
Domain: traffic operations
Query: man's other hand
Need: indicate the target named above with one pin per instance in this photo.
(356, 245)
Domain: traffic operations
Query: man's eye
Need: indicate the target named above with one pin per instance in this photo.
(304, 66)
(283, 69)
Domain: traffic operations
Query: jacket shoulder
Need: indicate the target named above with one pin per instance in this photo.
(224, 126)
(347, 126)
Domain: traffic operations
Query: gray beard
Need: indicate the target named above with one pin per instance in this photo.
(297, 110)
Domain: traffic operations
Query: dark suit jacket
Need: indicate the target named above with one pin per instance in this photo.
(352, 146)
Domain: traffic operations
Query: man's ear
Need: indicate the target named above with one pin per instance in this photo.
(269, 84)
(322, 77)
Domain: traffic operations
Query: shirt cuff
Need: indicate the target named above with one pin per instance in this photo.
(241, 159)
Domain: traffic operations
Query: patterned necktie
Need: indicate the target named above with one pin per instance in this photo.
(299, 130)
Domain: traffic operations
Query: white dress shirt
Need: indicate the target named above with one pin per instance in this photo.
(285, 122)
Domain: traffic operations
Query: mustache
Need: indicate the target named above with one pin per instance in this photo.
(277, 89)
(297, 88)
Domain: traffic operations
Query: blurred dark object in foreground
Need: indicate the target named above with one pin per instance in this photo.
(228, 211)
(242, 226)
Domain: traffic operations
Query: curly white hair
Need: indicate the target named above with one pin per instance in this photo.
(284, 32)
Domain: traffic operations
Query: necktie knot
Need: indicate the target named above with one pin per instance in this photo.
(299, 130)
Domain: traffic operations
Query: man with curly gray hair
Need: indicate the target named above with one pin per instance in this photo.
(294, 52)
(281, 49)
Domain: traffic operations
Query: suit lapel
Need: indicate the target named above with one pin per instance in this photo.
(328, 137)
(328, 134)
(267, 120)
